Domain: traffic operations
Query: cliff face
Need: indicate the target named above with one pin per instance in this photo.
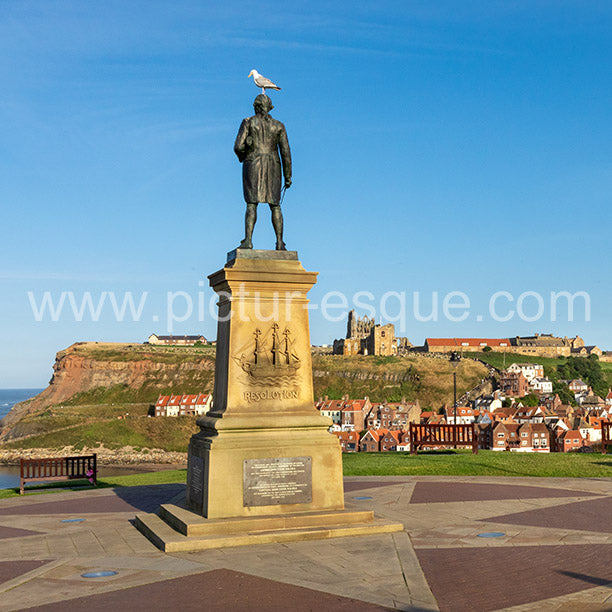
(88, 371)
(100, 377)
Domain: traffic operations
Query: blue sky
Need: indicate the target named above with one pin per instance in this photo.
(437, 146)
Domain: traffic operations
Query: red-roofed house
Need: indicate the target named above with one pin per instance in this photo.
(173, 405)
(187, 405)
(349, 441)
(465, 415)
(354, 413)
(390, 441)
(331, 409)
(505, 436)
(534, 437)
(203, 403)
(161, 404)
(404, 444)
(570, 440)
(370, 441)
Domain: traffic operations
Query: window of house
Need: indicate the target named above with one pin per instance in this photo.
(500, 443)
(500, 435)
(523, 434)
(524, 443)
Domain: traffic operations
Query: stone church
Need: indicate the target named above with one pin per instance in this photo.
(364, 337)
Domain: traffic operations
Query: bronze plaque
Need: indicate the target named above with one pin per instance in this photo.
(277, 480)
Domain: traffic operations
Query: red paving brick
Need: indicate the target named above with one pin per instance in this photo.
(438, 492)
(121, 499)
(358, 485)
(592, 515)
(14, 532)
(216, 590)
(482, 579)
(12, 569)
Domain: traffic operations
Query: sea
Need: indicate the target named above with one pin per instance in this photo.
(9, 474)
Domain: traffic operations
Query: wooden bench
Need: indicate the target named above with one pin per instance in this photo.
(606, 435)
(58, 468)
(442, 435)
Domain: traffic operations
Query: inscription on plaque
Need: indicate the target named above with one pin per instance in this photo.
(196, 481)
(277, 480)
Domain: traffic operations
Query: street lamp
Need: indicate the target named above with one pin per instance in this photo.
(455, 358)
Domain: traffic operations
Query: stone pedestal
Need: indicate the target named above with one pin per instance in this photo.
(264, 467)
(264, 448)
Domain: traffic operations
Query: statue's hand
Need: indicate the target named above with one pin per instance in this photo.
(287, 183)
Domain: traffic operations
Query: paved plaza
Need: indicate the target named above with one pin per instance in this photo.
(470, 544)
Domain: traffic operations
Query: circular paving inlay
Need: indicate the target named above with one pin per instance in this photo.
(75, 520)
(102, 574)
(491, 534)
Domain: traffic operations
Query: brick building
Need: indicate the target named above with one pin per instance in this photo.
(349, 441)
(513, 384)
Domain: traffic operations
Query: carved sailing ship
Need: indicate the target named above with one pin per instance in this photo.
(278, 365)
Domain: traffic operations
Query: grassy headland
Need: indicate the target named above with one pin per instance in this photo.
(96, 385)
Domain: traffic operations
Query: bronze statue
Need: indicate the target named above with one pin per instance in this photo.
(259, 141)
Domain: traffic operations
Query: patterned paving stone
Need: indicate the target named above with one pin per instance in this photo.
(221, 589)
(13, 569)
(592, 515)
(122, 499)
(485, 579)
(438, 492)
(358, 485)
(14, 532)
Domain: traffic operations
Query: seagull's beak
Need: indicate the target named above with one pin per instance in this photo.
(250, 73)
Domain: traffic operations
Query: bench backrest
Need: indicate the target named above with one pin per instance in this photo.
(462, 435)
(58, 467)
(442, 434)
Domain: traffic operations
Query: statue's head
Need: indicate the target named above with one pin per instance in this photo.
(262, 104)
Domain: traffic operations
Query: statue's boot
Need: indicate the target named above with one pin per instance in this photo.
(280, 246)
(246, 244)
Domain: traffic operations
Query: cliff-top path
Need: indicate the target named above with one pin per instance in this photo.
(551, 550)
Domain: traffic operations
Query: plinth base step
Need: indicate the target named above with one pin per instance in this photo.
(176, 529)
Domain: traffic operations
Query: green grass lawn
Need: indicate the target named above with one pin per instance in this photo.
(485, 463)
(607, 371)
(437, 463)
(504, 360)
(130, 480)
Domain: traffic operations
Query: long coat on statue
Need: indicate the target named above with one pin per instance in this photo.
(259, 141)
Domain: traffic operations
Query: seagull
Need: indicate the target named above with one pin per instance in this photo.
(262, 81)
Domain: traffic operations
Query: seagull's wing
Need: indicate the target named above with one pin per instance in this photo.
(262, 81)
